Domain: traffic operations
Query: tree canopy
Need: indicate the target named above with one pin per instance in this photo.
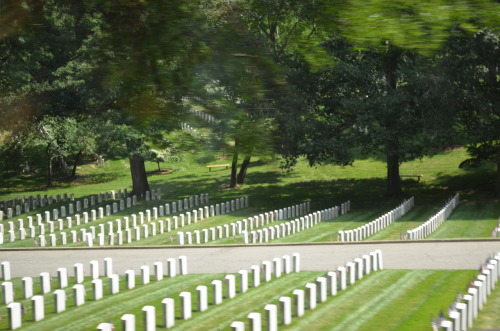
(321, 79)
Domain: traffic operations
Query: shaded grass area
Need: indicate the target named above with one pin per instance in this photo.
(268, 186)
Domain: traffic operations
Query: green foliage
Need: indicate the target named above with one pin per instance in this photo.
(475, 88)
(413, 25)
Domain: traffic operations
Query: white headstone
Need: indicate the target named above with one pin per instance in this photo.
(38, 307)
(148, 318)
(105, 327)
(171, 267)
(216, 292)
(45, 282)
(6, 274)
(79, 294)
(59, 301)
(321, 285)
(202, 292)
(108, 266)
(129, 279)
(114, 284)
(332, 282)
(296, 262)
(7, 292)
(94, 269)
(168, 312)
(255, 275)
(237, 326)
(62, 275)
(255, 321)
(267, 269)
(183, 268)
(145, 274)
(15, 315)
(299, 302)
(311, 295)
(158, 268)
(277, 267)
(271, 317)
(128, 322)
(186, 309)
(27, 287)
(230, 281)
(243, 280)
(78, 272)
(97, 289)
(285, 310)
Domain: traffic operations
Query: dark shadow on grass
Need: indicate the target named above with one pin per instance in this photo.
(23, 183)
(479, 184)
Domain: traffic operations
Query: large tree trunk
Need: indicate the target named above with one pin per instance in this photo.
(393, 179)
(49, 165)
(234, 169)
(138, 171)
(390, 62)
(497, 182)
(77, 159)
(243, 169)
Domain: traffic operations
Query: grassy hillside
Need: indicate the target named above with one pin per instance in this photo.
(388, 300)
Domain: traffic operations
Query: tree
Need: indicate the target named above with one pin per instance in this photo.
(384, 111)
(394, 27)
(473, 63)
(234, 85)
(59, 138)
(88, 57)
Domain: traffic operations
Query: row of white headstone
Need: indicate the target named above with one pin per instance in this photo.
(154, 228)
(15, 313)
(465, 309)
(367, 230)
(40, 202)
(431, 225)
(189, 129)
(236, 228)
(319, 291)
(204, 116)
(106, 210)
(277, 267)
(299, 224)
(50, 226)
(496, 230)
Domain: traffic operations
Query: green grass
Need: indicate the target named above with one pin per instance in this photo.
(383, 300)
(388, 300)
(488, 317)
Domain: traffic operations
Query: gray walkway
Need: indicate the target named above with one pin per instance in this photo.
(220, 259)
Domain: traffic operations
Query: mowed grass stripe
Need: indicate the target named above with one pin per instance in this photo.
(488, 317)
(220, 317)
(387, 300)
(417, 216)
(112, 307)
(469, 220)
(422, 302)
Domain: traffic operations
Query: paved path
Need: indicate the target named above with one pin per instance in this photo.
(220, 259)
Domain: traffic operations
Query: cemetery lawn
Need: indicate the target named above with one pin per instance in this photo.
(388, 300)
(488, 316)
(383, 300)
(270, 188)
